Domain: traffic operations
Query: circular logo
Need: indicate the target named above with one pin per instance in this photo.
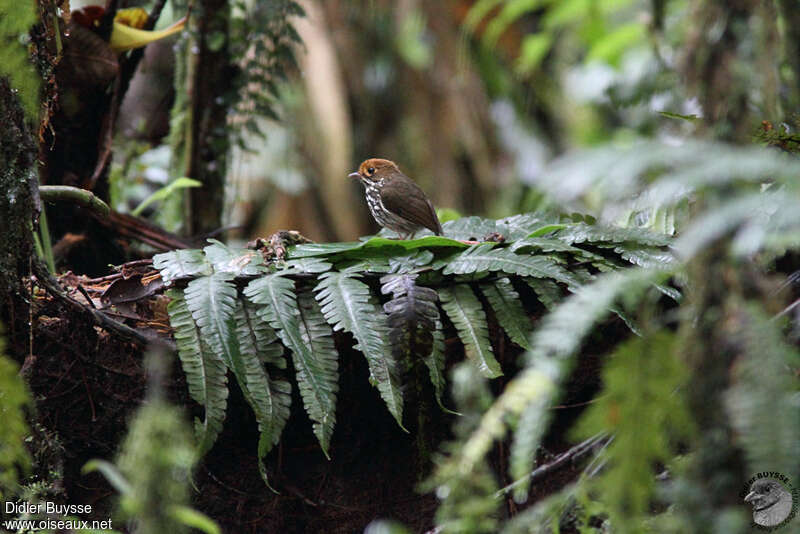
(773, 498)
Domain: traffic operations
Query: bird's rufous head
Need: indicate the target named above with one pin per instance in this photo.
(374, 169)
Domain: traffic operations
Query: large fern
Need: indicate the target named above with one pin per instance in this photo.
(348, 305)
(232, 310)
(300, 325)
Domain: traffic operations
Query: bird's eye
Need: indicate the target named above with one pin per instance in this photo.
(370, 170)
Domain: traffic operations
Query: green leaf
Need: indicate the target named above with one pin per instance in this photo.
(507, 306)
(533, 50)
(179, 264)
(269, 398)
(484, 258)
(547, 291)
(678, 116)
(309, 265)
(194, 519)
(409, 262)
(581, 233)
(212, 301)
(611, 47)
(324, 249)
(239, 262)
(435, 363)
(302, 328)
(348, 305)
(643, 406)
(204, 370)
(165, 192)
(110, 472)
(412, 316)
(465, 312)
(548, 361)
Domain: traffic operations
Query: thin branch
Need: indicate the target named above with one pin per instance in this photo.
(46, 280)
(573, 454)
(76, 195)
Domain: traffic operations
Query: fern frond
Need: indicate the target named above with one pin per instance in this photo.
(240, 262)
(412, 315)
(466, 313)
(643, 407)
(507, 306)
(204, 369)
(212, 301)
(546, 291)
(582, 233)
(182, 263)
(269, 398)
(435, 363)
(348, 305)
(486, 258)
(763, 384)
(302, 328)
(553, 345)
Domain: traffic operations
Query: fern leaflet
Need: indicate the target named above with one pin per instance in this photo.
(465, 311)
(507, 306)
(302, 328)
(204, 369)
(347, 305)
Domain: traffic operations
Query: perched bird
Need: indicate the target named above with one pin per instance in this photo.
(394, 200)
(772, 503)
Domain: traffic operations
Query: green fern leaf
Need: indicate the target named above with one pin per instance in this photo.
(212, 301)
(204, 370)
(179, 264)
(546, 291)
(269, 398)
(553, 344)
(465, 312)
(347, 305)
(507, 306)
(581, 233)
(240, 262)
(302, 328)
(412, 315)
(486, 258)
(643, 406)
(435, 363)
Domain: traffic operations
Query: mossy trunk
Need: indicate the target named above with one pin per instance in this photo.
(20, 196)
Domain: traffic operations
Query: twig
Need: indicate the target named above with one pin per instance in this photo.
(573, 454)
(45, 280)
(82, 197)
(86, 296)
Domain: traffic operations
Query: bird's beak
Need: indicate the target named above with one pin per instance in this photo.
(750, 497)
(354, 175)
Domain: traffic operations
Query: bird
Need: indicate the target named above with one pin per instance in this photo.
(394, 200)
(772, 503)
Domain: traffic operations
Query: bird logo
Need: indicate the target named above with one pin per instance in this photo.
(773, 500)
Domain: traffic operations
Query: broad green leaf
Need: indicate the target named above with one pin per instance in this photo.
(465, 312)
(348, 305)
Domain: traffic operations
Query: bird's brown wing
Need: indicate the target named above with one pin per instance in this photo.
(406, 199)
